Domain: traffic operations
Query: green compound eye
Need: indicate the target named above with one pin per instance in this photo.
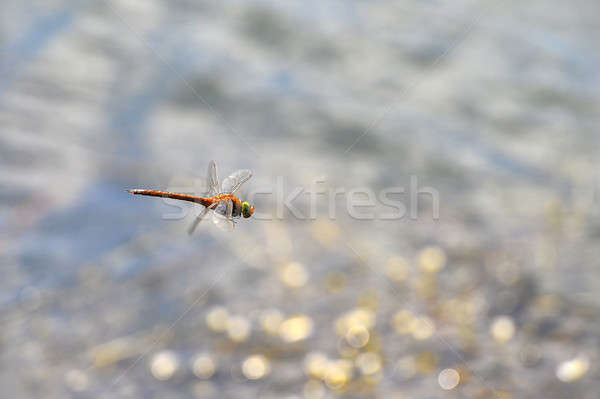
(247, 209)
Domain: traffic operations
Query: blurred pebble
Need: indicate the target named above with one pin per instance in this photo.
(547, 305)
(448, 379)
(502, 329)
(346, 350)
(335, 282)
(530, 356)
(507, 273)
(369, 300)
(368, 363)
(238, 328)
(357, 336)
(357, 317)
(432, 259)
(294, 275)
(76, 380)
(164, 364)
(203, 366)
(397, 268)
(573, 369)
(270, 321)
(315, 364)
(338, 373)
(406, 368)
(506, 301)
(402, 321)
(296, 328)
(422, 328)
(111, 352)
(426, 362)
(313, 389)
(425, 287)
(216, 319)
(256, 367)
(204, 390)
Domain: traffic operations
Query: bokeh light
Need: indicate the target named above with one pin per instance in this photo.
(448, 379)
(424, 179)
(256, 367)
(164, 364)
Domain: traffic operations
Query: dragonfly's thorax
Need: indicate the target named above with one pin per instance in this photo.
(235, 201)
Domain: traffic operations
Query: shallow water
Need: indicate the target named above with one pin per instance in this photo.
(492, 104)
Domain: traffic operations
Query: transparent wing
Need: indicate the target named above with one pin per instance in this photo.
(212, 180)
(222, 215)
(232, 183)
(199, 218)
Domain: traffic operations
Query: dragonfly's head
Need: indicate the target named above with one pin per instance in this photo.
(247, 209)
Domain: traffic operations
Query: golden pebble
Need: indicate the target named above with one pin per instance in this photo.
(76, 380)
(369, 300)
(112, 352)
(368, 363)
(346, 350)
(432, 259)
(573, 369)
(406, 367)
(314, 389)
(336, 378)
(373, 379)
(203, 366)
(163, 365)
(403, 322)
(357, 317)
(294, 275)
(502, 329)
(426, 363)
(315, 364)
(398, 268)
(216, 319)
(338, 374)
(448, 379)
(238, 328)
(256, 367)
(270, 320)
(422, 328)
(346, 364)
(425, 287)
(357, 336)
(336, 281)
(296, 328)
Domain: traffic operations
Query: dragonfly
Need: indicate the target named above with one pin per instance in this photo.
(220, 200)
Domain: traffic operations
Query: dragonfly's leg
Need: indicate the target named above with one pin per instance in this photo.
(198, 219)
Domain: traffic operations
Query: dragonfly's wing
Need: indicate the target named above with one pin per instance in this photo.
(235, 180)
(222, 215)
(199, 218)
(212, 180)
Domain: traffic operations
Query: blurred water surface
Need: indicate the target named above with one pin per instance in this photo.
(494, 104)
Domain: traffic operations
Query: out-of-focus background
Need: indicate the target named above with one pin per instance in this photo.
(494, 104)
